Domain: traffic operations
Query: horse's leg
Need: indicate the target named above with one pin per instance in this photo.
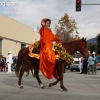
(54, 83)
(32, 73)
(20, 76)
(60, 73)
(31, 68)
(61, 69)
(27, 72)
(36, 72)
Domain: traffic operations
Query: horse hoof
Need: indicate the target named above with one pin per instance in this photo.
(65, 89)
(42, 86)
(50, 85)
(34, 76)
(26, 75)
(21, 87)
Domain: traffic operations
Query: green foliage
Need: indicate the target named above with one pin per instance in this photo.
(98, 43)
(92, 47)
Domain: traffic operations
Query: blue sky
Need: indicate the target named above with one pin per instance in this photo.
(30, 12)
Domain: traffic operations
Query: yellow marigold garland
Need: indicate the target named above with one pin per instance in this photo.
(63, 54)
(61, 50)
(37, 45)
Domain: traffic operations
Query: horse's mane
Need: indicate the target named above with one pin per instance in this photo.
(69, 46)
(71, 42)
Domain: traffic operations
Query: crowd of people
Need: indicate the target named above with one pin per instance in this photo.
(7, 64)
(89, 66)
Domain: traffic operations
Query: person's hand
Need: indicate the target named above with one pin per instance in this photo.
(43, 23)
(59, 40)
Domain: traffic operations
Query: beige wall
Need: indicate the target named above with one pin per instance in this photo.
(10, 46)
(36, 37)
(15, 30)
(17, 48)
(12, 31)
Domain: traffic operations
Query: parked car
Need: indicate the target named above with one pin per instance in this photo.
(98, 65)
(75, 65)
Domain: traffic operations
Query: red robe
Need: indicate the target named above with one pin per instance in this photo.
(47, 55)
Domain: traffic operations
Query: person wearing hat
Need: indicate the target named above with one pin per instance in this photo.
(9, 61)
(91, 64)
(47, 55)
(96, 60)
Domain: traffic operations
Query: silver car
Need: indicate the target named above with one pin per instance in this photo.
(75, 65)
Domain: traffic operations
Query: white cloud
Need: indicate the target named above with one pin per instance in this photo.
(30, 12)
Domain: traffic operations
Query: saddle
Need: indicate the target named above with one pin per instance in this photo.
(36, 47)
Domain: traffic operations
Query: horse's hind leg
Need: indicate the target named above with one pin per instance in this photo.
(32, 73)
(36, 72)
(27, 72)
(20, 77)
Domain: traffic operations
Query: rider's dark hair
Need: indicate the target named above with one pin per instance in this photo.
(47, 20)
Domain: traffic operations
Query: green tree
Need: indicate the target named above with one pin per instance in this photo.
(98, 43)
(65, 28)
(91, 47)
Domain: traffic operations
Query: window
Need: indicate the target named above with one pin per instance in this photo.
(0, 46)
(23, 45)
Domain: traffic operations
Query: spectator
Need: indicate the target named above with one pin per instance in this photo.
(85, 63)
(80, 64)
(95, 64)
(2, 64)
(91, 64)
(13, 64)
(9, 61)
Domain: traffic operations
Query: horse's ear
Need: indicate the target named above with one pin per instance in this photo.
(82, 39)
(85, 39)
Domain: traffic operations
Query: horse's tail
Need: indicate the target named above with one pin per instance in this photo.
(19, 62)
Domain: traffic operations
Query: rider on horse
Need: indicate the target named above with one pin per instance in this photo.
(47, 55)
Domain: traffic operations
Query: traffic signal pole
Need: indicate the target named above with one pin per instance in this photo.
(90, 4)
(79, 4)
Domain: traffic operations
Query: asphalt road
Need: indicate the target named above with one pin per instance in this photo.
(80, 87)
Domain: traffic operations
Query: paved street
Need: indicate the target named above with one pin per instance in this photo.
(80, 87)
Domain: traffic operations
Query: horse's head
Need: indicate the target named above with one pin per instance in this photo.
(83, 47)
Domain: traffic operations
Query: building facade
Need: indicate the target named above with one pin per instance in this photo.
(15, 35)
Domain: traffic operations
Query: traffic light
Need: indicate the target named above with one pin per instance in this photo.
(78, 5)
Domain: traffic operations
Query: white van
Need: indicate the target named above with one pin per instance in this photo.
(75, 65)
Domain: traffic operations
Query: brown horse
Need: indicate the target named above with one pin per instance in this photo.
(29, 63)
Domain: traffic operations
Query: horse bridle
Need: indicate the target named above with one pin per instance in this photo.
(81, 44)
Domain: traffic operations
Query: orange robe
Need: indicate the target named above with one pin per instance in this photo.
(47, 55)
